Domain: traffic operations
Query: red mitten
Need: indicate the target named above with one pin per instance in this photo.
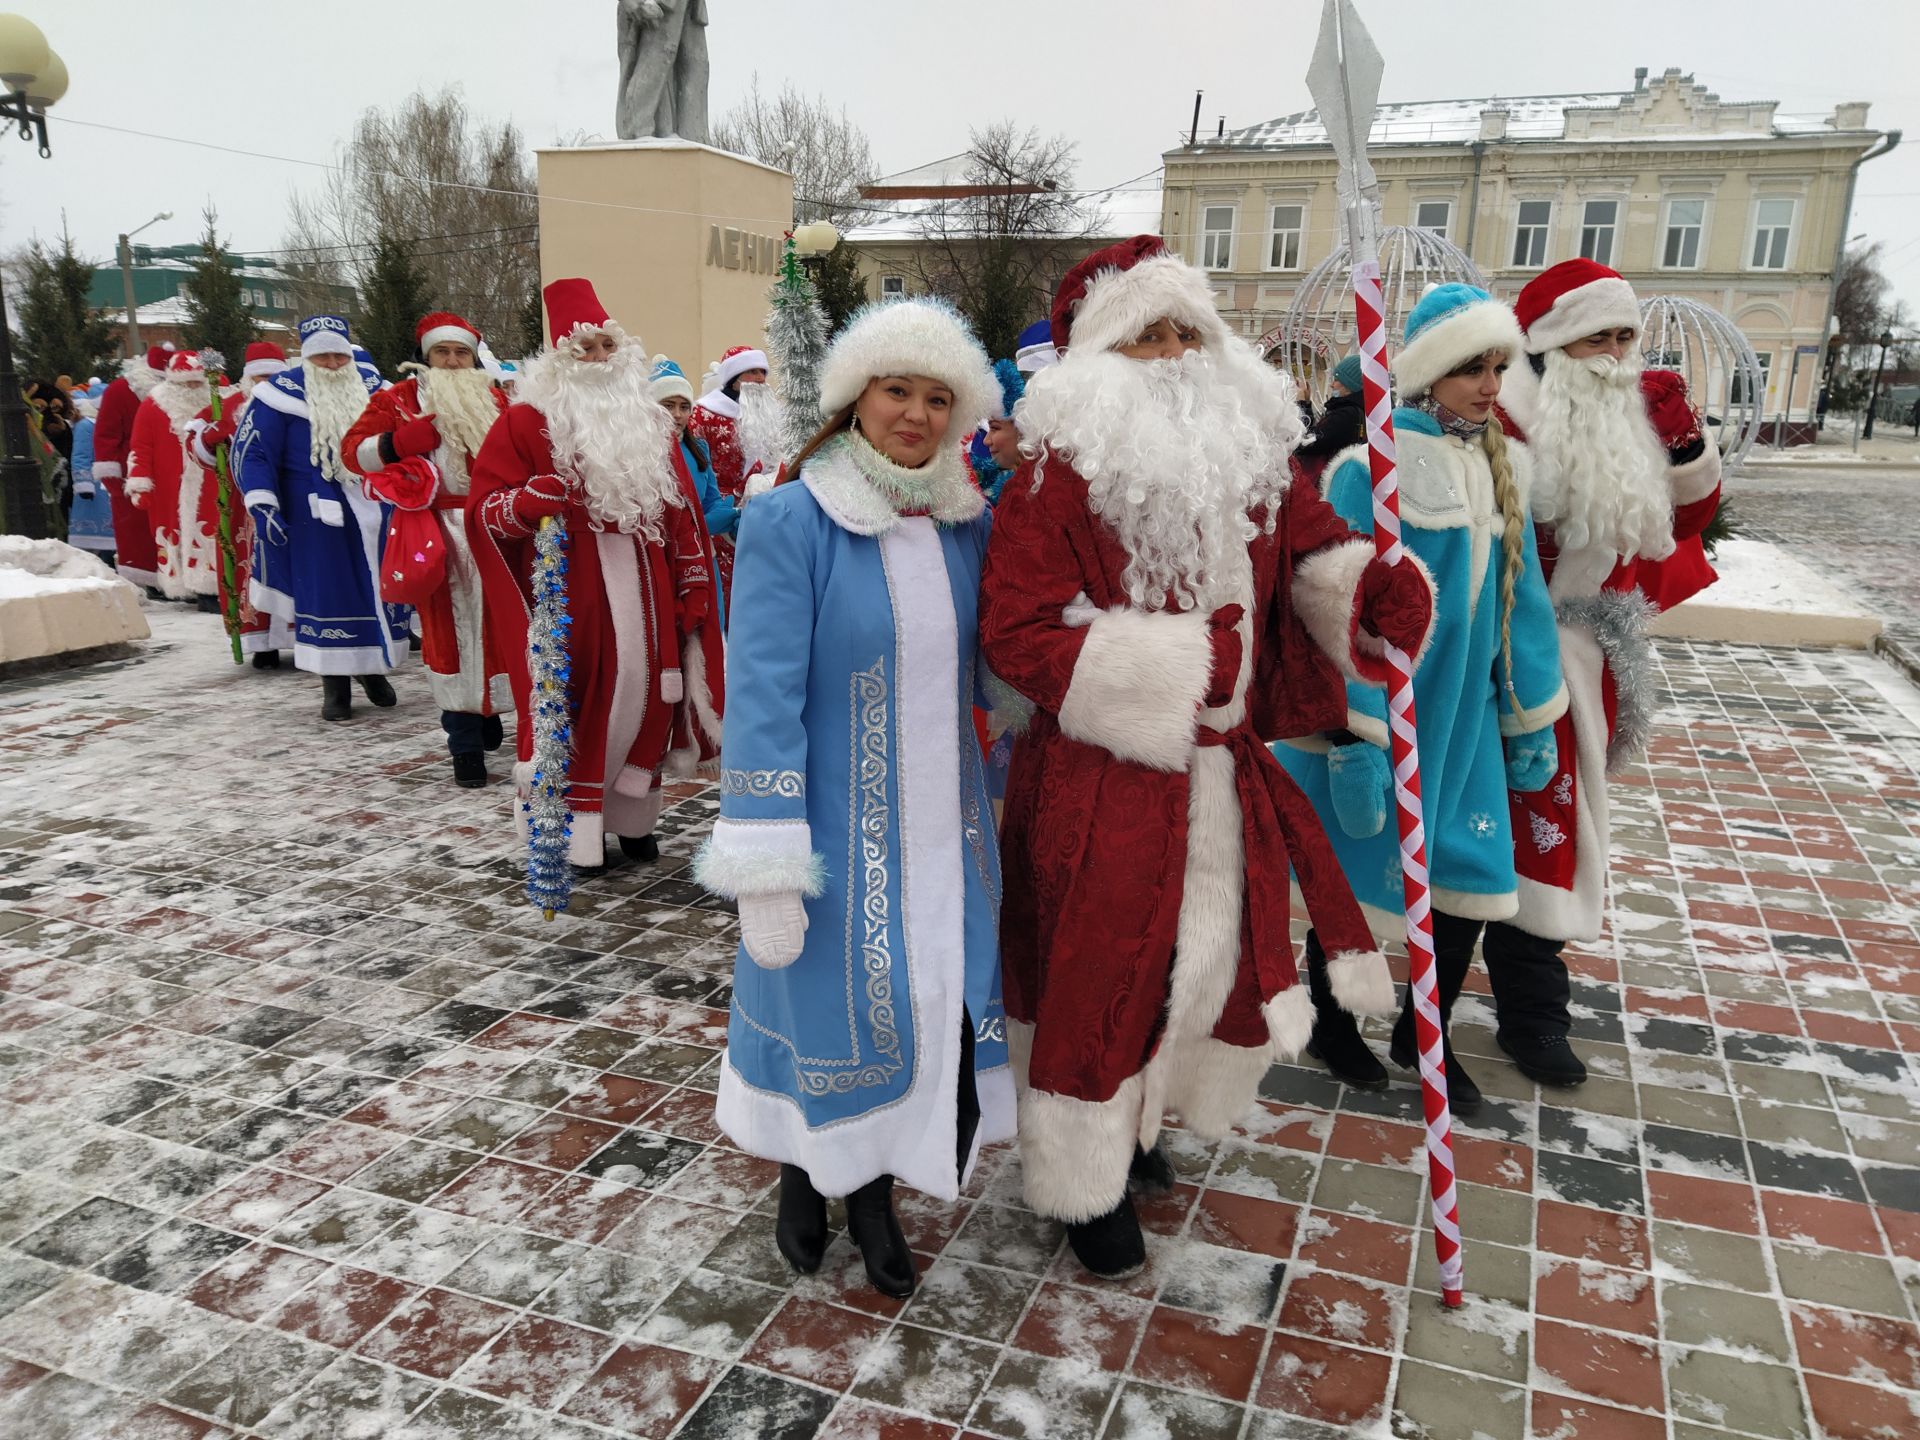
(539, 498)
(695, 606)
(218, 433)
(1396, 603)
(416, 437)
(1223, 626)
(1668, 408)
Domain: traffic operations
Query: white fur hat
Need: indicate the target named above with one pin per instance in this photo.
(911, 337)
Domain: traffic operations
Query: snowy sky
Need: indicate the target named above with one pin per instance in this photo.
(915, 74)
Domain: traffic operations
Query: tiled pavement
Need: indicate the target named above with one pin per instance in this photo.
(308, 1127)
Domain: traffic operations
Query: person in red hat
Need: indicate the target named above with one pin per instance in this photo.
(165, 482)
(134, 554)
(716, 423)
(1169, 605)
(1624, 483)
(441, 413)
(584, 444)
(262, 636)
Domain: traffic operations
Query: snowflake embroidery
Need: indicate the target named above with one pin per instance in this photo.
(1563, 789)
(1546, 834)
(1481, 824)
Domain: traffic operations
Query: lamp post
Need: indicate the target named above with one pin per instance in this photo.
(132, 333)
(1873, 396)
(32, 77)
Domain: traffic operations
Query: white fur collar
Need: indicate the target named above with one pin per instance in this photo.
(853, 503)
(718, 402)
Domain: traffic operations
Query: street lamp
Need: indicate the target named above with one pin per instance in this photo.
(132, 335)
(1873, 398)
(32, 77)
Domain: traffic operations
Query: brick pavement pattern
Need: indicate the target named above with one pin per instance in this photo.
(309, 1127)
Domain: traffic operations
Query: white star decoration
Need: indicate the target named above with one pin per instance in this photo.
(1482, 824)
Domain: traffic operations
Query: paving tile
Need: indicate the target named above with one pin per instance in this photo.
(642, 1389)
(1487, 1337)
(434, 1333)
(1743, 1395)
(925, 1372)
(1196, 1352)
(1441, 1402)
(1144, 1411)
(1714, 1257)
(1570, 1419)
(350, 1398)
(1329, 1383)
(1702, 1315)
(1616, 1368)
(536, 1362)
(245, 1379)
(1835, 1277)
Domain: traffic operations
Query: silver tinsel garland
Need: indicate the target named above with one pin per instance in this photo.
(549, 666)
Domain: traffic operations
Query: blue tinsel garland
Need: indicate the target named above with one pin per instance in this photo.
(549, 821)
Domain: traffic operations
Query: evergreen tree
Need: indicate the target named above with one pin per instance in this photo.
(218, 316)
(396, 298)
(532, 330)
(797, 346)
(59, 334)
(837, 284)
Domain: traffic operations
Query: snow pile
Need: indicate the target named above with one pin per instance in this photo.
(55, 599)
(1765, 596)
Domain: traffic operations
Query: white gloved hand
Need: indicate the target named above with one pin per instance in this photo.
(773, 928)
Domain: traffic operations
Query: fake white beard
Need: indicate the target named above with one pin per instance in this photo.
(181, 400)
(463, 409)
(335, 399)
(140, 376)
(1599, 472)
(762, 427)
(1179, 457)
(604, 426)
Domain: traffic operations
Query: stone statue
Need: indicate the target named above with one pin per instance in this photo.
(663, 69)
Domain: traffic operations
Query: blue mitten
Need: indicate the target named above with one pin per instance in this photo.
(1531, 760)
(267, 523)
(1360, 780)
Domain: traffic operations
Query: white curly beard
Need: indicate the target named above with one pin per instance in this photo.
(1599, 472)
(463, 409)
(335, 399)
(1179, 457)
(605, 428)
(181, 400)
(762, 427)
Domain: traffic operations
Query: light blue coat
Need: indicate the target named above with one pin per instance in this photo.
(851, 770)
(90, 522)
(1452, 522)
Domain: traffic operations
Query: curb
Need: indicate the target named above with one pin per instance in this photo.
(1898, 655)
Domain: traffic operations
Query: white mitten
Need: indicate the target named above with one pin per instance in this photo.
(773, 928)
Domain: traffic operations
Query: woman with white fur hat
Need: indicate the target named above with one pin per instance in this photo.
(867, 1039)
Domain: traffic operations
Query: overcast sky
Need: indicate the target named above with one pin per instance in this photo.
(1117, 76)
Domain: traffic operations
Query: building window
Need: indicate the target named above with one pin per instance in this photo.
(279, 299)
(1737, 393)
(1597, 222)
(1283, 253)
(1681, 248)
(180, 290)
(1434, 215)
(1216, 237)
(1772, 234)
(893, 287)
(260, 298)
(1530, 234)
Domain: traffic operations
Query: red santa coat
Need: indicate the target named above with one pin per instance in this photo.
(647, 668)
(179, 500)
(453, 621)
(716, 420)
(1138, 822)
(259, 631)
(133, 550)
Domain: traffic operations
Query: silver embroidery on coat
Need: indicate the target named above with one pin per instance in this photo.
(764, 784)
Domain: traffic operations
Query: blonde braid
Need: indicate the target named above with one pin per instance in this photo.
(1513, 539)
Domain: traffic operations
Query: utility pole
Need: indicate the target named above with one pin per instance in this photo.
(132, 336)
(1873, 396)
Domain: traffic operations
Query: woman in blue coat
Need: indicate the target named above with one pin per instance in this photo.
(1486, 690)
(867, 1038)
(674, 393)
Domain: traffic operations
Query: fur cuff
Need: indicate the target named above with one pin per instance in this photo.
(1073, 1153)
(1361, 982)
(1535, 718)
(1289, 1022)
(107, 470)
(760, 857)
(1697, 478)
(1326, 594)
(1138, 685)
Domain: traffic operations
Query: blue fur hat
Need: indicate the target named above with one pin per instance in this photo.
(1012, 386)
(1451, 325)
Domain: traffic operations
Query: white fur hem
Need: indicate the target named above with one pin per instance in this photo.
(1361, 982)
(1073, 1153)
(1290, 1022)
(1138, 686)
(1474, 905)
(108, 470)
(1538, 718)
(760, 857)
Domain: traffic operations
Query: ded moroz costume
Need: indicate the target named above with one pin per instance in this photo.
(133, 548)
(168, 485)
(716, 424)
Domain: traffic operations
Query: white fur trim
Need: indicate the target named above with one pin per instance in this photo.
(1289, 1022)
(369, 455)
(1598, 305)
(760, 857)
(1326, 594)
(325, 342)
(911, 337)
(108, 470)
(1474, 904)
(1470, 331)
(733, 367)
(1576, 914)
(260, 369)
(1138, 686)
(717, 403)
(1697, 478)
(440, 334)
(760, 482)
(1119, 304)
(693, 659)
(1528, 722)
(852, 502)
(1073, 1153)
(1361, 982)
(253, 499)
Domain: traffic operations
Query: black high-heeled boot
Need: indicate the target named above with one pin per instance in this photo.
(1453, 942)
(1110, 1245)
(801, 1229)
(875, 1232)
(1336, 1041)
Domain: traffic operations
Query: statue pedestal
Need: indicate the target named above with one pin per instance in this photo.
(687, 266)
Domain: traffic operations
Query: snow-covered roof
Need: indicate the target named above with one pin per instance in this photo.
(1133, 209)
(172, 311)
(949, 172)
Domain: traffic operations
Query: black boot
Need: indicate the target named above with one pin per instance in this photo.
(1453, 943)
(1336, 1041)
(377, 690)
(1548, 1059)
(801, 1230)
(875, 1232)
(1532, 1004)
(336, 702)
(1463, 1096)
(154, 592)
(266, 660)
(1111, 1246)
(645, 849)
(1151, 1170)
(492, 733)
(470, 771)
(207, 604)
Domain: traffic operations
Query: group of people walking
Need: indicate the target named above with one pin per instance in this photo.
(1146, 567)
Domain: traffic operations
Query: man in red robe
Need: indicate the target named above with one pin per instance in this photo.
(442, 412)
(133, 550)
(168, 485)
(1169, 605)
(583, 444)
(717, 417)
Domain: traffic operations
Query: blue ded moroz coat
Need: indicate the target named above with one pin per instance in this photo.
(323, 580)
(851, 770)
(1451, 521)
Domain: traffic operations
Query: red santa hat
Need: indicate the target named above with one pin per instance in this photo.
(263, 358)
(1574, 299)
(184, 368)
(572, 305)
(444, 327)
(157, 357)
(736, 362)
(1112, 295)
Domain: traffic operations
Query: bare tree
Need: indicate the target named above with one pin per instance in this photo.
(1864, 308)
(824, 151)
(458, 192)
(998, 249)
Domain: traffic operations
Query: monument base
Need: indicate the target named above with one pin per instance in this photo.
(681, 241)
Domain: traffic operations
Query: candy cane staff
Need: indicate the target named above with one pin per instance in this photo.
(852, 785)
(1170, 605)
(584, 444)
